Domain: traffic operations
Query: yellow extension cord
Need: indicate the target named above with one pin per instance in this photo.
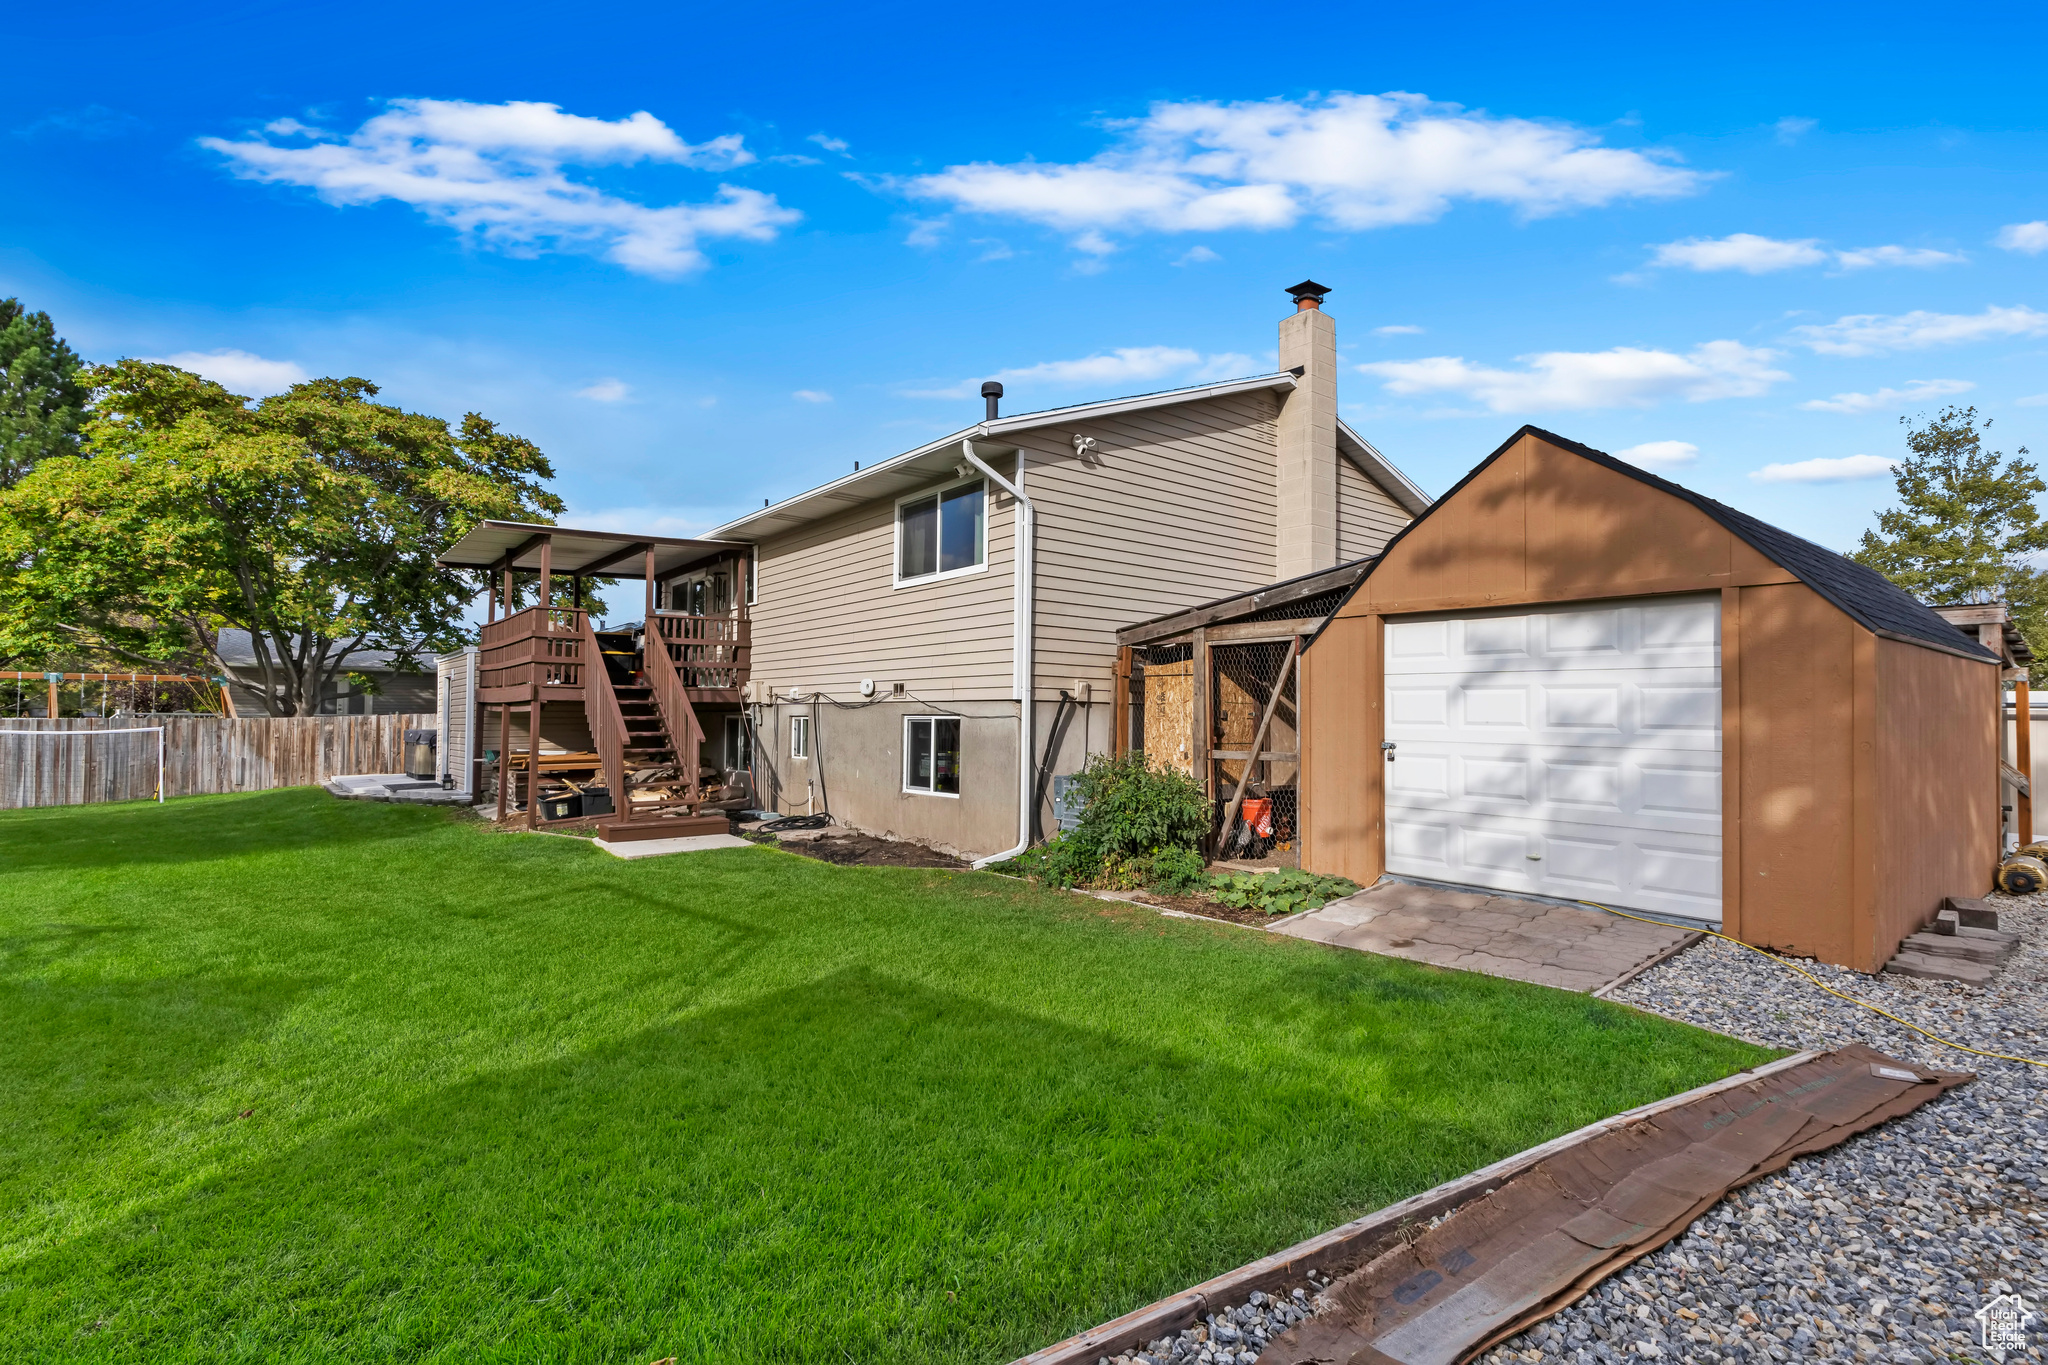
(1945, 1042)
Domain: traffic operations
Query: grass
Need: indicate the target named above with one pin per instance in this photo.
(292, 1079)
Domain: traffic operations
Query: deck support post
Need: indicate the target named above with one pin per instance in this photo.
(504, 754)
(533, 706)
(547, 572)
(2023, 745)
(652, 590)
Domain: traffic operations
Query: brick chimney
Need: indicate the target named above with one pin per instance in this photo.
(1306, 536)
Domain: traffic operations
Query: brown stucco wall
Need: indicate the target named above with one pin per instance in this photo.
(1856, 772)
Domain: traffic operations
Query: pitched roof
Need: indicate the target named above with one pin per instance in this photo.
(915, 468)
(1860, 593)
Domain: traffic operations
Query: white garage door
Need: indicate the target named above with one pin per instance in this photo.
(1571, 752)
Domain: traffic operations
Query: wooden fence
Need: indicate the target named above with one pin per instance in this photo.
(201, 754)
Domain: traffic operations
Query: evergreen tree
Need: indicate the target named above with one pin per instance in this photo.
(1966, 528)
(42, 400)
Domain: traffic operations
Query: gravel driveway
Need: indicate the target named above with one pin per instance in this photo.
(1882, 1248)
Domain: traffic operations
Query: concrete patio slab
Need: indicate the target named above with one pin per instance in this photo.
(1564, 946)
(655, 848)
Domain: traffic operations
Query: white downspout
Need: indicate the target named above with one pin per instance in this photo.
(1027, 522)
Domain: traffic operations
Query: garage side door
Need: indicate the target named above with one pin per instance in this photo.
(1571, 751)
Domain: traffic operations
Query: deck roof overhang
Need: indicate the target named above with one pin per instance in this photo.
(573, 553)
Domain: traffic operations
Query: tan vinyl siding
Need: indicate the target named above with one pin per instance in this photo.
(1366, 517)
(1172, 507)
(829, 613)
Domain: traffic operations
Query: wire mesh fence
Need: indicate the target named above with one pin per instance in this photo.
(100, 695)
(1255, 751)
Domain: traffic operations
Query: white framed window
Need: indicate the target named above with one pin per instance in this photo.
(942, 533)
(931, 755)
(753, 575)
(799, 736)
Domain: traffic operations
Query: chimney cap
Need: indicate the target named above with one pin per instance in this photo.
(1308, 289)
(991, 389)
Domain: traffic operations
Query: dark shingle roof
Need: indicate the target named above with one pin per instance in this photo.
(1863, 594)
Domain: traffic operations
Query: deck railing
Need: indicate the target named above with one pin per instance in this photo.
(540, 646)
(666, 682)
(709, 653)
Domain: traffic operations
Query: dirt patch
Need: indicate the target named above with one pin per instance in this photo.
(863, 850)
(1203, 906)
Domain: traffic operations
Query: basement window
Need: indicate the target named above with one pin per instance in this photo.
(943, 533)
(931, 755)
(799, 736)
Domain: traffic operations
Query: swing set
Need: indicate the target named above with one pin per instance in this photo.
(57, 695)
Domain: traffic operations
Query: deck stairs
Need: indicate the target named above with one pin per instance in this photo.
(658, 785)
(1964, 943)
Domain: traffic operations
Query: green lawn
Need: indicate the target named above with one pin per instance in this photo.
(286, 1078)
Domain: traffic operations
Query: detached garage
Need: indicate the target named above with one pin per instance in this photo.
(1572, 678)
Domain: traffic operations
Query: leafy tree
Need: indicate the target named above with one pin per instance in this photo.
(42, 400)
(310, 520)
(1966, 528)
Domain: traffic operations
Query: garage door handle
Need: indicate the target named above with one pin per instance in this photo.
(1388, 746)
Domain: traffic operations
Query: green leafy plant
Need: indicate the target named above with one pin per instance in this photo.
(1129, 809)
(1178, 872)
(1286, 892)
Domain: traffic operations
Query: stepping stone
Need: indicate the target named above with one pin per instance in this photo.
(1930, 968)
(1974, 914)
(1942, 923)
(1936, 945)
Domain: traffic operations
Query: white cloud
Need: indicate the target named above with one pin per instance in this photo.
(1916, 391)
(2032, 400)
(1744, 251)
(1123, 366)
(496, 171)
(1661, 454)
(1398, 329)
(1874, 334)
(992, 248)
(1349, 161)
(1626, 376)
(811, 396)
(1755, 255)
(2031, 238)
(1792, 127)
(1915, 257)
(1825, 471)
(830, 144)
(607, 391)
(925, 232)
(1197, 255)
(240, 371)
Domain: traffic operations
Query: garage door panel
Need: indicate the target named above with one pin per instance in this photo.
(1569, 752)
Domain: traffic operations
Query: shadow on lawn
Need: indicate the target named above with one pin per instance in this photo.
(852, 1169)
(197, 829)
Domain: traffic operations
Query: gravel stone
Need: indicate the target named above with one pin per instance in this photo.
(1880, 1249)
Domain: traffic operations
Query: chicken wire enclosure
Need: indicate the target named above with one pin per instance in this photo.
(1254, 750)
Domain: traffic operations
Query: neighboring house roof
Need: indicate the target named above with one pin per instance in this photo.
(237, 651)
(914, 468)
(1860, 593)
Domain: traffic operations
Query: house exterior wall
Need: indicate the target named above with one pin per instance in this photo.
(1366, 517)
(1173, 506)
(856, 771)
(1855, 787)
(828, 612)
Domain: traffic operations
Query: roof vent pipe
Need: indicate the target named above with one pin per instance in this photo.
(991, 393)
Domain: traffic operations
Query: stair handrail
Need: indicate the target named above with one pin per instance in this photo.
(608, 728)
(672, 702)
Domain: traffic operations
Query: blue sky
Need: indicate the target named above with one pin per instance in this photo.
(706, 256)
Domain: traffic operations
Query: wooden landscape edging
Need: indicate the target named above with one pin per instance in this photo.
(1351, 1245)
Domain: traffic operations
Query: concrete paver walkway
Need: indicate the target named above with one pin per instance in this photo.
(1570, 947)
